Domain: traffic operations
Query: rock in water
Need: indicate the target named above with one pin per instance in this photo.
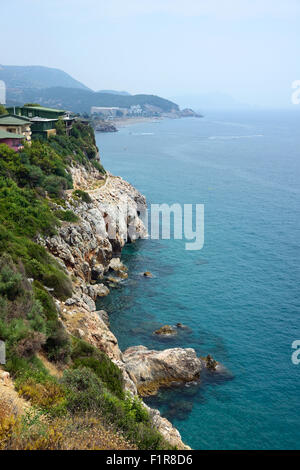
(166, 330)
(210, 362)
(147, 274)
(153, 369)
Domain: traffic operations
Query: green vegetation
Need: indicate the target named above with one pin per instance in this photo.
(3, 109)
(66, 216)
(85, 355)
(32, 104)
(28, 180)
(79, 194)
(90, 394)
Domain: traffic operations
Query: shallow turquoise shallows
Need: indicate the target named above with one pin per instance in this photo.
(239, 295)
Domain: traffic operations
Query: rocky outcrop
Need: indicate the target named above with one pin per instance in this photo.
(188, 112)
(104, 126)
(153, 369)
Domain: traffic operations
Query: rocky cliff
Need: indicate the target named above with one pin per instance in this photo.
(89, 250)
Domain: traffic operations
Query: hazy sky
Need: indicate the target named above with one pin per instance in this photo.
(249, 49)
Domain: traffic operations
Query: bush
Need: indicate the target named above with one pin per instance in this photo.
(66, 216)
(105, 370)
(83, 390)
(85, 197)
(41, 389)
(57, 345)
(99, 167)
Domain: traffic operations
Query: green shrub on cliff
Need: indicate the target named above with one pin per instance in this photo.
(66, 215)
(85, 391)
(28, 319)
(85, 197)
(105, 370)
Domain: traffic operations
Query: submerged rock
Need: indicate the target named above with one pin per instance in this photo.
(147, 274)
(166, 330)
(153, 369)
(210, 363)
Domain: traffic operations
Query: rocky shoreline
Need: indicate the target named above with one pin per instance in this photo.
(89, 254)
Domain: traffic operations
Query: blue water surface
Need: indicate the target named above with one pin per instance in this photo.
(239, 295)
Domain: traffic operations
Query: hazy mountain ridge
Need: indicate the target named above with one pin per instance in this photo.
(115, 92)
(78, 100)
(36, 76)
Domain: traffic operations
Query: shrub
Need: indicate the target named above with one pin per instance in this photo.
(83, 390)
(31, 344)
(42, 390)
(57, 345)
(55, 185)
(10, 281)
(66, 216)
(99, 167)
(105, 370)
(85, 197)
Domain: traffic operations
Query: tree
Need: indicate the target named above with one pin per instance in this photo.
(3, 110)
(60, 127)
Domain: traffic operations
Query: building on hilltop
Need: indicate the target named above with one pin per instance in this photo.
(43, 120)
(14, 141)
(16, 125)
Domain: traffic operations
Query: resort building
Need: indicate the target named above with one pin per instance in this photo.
(14, 141)
(109, 112)
(43, 120)
(16, 125)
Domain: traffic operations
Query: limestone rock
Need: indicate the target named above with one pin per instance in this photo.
(153, 369)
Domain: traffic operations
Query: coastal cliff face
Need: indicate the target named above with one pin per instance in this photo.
(88, 253)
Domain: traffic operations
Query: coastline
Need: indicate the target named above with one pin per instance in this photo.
(125, 122)
(91, 258)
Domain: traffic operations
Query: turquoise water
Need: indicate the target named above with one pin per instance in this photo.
(240, 294)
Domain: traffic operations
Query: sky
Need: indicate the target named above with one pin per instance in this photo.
(248, 49)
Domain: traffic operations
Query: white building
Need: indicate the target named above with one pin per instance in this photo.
(107, 111)
(2, 92)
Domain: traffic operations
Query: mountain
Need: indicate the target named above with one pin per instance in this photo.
(114, 92)
(81, 101)
(38, 77)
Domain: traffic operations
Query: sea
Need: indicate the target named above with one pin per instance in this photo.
(238, 296)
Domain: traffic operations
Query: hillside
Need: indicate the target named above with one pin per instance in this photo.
(60, 353)
(35, 76)
(115, 92)
(81, 101)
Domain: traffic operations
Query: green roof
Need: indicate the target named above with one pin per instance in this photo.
(11, 120)
(10, 135)
(42, 108)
